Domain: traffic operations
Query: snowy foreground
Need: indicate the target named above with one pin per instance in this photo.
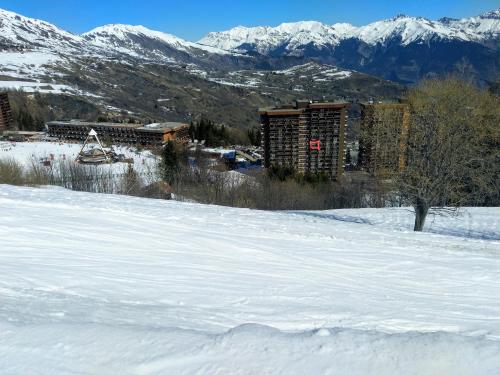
(98, 284)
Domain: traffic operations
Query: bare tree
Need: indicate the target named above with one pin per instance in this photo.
(452, 150)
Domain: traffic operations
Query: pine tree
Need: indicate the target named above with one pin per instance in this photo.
(131, 183)
(192, 131)
(170, 163)
(348, 159)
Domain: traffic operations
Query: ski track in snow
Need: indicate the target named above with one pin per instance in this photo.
(93, 284)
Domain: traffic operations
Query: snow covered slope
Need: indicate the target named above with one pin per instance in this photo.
(402, 29)
(267, 38)
(96, 284)
(140, 41)
(19, 32)
(483, 27)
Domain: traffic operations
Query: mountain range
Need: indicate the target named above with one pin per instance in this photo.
(402, 28)
(135, 71)
(402, 48)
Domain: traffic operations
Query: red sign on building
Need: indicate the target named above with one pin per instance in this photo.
(315, 145)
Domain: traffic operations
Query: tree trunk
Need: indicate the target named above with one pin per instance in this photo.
(421, 210)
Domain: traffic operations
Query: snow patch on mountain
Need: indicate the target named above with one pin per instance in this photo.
(316, 71)
(44, 88)
(26, 64)
(258, 78)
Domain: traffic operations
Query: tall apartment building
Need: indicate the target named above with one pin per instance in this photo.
(309, 137)
(6, 120)
(383, 138)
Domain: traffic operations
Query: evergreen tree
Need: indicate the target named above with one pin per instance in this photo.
(25, 120)
(192, 131)
(170, 163)
(255, 136)
(258, 138)
(348, 158)
(131, 183)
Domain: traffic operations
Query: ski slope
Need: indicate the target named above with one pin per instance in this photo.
(106, 284)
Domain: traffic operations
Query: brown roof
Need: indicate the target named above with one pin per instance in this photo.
(290, 111)
(163, 127)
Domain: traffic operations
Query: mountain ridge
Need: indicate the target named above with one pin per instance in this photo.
(16, 29)
(423, 27)
(403, 48)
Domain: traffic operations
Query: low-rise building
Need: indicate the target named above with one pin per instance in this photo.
(152, 135)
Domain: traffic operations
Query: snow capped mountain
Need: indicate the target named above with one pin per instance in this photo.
(19, 32)
(266, 38)
(402, 48)
(140, 41)
(483, 27)
(406, 30)
(36, 50)
(402, 28)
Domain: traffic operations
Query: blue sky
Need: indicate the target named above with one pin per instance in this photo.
(191, 19)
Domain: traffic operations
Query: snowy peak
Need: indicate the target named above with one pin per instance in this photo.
(125, 33)
(407, 30)
(26, 34)
(483, 27)
(19, 32)
(139, 40)
(266, 38)
(401, 28)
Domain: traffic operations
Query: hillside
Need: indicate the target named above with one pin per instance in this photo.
(95, 283)
(183, 93)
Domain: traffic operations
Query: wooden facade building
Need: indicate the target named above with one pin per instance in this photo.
(383, 139)
(307, 136)
(6, 119)
(152, 135)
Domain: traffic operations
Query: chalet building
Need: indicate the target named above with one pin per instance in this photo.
(152, 135)
(307, 136)
(6, 119)
(383, 139)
